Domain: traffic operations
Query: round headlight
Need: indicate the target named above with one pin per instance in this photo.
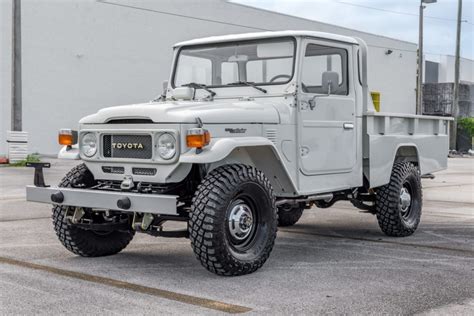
(89, 144)
(166, 146)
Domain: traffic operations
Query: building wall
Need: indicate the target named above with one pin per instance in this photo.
(446, 69)
(431, 72)
(5, 71)
(80, 56)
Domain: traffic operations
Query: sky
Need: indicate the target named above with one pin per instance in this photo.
(439, 26)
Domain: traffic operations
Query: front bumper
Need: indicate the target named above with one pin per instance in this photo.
(109, 200)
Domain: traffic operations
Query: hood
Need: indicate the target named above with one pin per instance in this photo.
(188, 111)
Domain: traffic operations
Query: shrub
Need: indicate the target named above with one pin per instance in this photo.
(467, 123)
(29, 158)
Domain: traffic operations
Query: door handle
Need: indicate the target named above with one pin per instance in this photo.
(348, 125)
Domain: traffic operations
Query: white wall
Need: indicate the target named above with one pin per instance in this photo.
(446, 69)
(5, 72)
(80, 56)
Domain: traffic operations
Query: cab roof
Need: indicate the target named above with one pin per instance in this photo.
(273, 34)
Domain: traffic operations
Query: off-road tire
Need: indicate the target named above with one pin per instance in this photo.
(289, 216)
(208, 226)
(82, 242)
(389, 213)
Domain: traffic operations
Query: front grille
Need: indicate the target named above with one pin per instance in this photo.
(115, 170)
(127, 146)
(144, 171)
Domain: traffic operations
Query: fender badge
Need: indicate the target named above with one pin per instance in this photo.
(236, 130)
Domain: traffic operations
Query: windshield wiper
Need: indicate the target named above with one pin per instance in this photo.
(199, 86)
(247, 83)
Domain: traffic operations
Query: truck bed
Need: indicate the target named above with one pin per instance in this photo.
(411, 137)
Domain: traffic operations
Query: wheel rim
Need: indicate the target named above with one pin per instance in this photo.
(241, 224)
(405, 202)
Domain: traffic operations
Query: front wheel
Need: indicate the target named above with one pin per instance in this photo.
(233, 220)
(86, 243)
(398, 204)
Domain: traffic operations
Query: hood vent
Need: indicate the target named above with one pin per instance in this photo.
(271, 134)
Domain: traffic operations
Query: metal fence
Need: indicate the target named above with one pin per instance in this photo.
(438, 100)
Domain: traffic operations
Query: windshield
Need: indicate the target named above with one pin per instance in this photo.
(259, 62)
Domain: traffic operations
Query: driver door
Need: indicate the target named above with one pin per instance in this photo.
(327, 134)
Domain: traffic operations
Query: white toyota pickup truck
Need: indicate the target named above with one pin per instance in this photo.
(249, 132)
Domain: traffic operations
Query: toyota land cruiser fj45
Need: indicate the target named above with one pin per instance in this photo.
(249, 132)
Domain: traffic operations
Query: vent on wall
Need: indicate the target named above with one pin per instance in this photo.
(271, 134)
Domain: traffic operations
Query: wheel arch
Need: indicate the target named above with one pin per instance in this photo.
(381, 164)
(407, 152)
(265, 159)
(257, 152)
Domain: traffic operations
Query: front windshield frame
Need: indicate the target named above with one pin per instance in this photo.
(241, 42)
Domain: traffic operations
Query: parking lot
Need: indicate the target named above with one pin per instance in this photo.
(334, 261)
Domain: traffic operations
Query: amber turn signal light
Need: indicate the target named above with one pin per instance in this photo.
(198, 138)
(67, 137)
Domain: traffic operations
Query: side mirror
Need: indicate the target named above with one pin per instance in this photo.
(162, 96)
(165, 87)
(330, 81)
(183, 93)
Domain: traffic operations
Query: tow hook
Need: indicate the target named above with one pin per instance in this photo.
(127, 183)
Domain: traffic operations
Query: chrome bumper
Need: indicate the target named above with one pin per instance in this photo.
(121, 201)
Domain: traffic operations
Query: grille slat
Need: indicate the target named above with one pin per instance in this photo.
(127, 146)
(144, 171)
(107, 146)
(116, 170)
(271, 135)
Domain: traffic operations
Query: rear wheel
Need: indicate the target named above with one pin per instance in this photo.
(399, 203)
(86, 243)
(289, 215)
(233, 220)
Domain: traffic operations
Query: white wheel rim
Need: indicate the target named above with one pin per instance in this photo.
(240, 221)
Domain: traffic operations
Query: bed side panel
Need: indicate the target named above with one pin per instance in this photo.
(386, 134)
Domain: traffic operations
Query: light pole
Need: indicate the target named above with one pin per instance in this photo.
(455, 107)
(419, 88)
(16, 116)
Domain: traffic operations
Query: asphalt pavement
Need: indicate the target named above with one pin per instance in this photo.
(334, 261)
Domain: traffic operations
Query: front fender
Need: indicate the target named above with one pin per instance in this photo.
(256, 151)
(220, 148)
